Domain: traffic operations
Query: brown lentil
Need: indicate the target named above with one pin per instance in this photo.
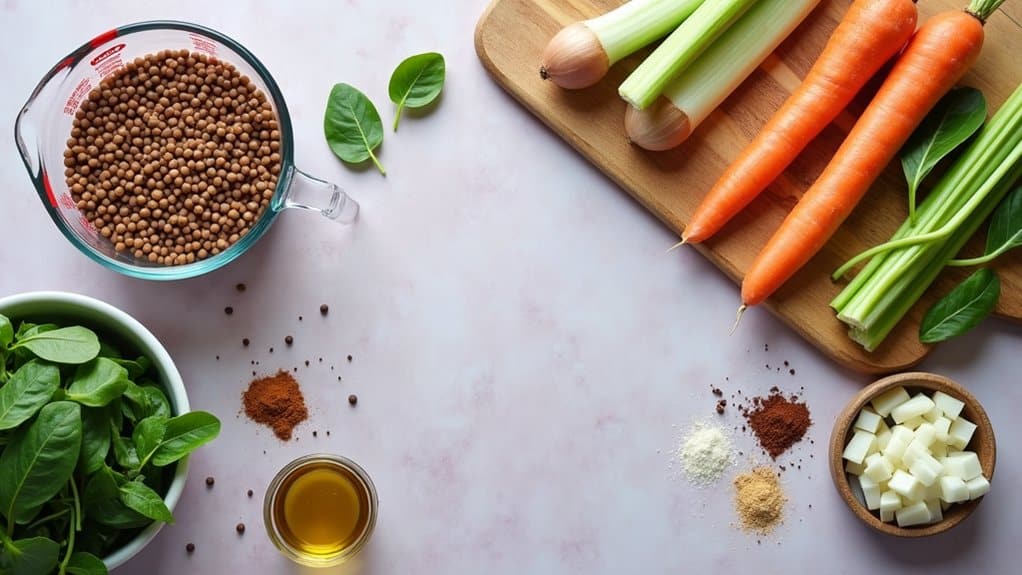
(210, 481)
(240, 528)
(289, 340)
(352, 399)
(173, 157)
(190, 548)
(324, 309)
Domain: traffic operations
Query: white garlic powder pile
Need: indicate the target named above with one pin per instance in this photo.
(705, 452)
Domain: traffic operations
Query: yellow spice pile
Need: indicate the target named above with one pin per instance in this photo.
(759, 500)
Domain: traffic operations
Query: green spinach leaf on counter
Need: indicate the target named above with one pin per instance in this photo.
(416, 82)
(352, 126)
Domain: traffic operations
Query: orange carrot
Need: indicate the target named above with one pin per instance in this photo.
(870, 34)
(934, 60)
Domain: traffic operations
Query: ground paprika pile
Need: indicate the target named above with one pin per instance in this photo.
(778, 421)
(276, 401)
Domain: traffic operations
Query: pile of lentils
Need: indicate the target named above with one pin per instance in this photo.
(173, 157)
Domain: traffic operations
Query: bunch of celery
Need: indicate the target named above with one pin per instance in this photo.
(890, 284)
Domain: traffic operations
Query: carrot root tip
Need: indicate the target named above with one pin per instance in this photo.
(676, 246)
(738, 318)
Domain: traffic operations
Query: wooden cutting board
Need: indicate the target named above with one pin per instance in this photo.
(509, 39)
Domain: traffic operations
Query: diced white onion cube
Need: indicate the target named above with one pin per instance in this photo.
(926, 469)
(926, 433)
(906, 485)
(916, 514)
(978, 487)
(883, 438)
(895, 450)
(933, 414)
(938, 449)
(854, 468)
(890, 502)
(913, 452)
(884, 403)
(867, 421)
(941, 426)
(870, 492)
(915, 407)
(960, 432)
(933, 506)
(902, 433)
(913, 422)
(878, 468)
(950, 406)
(964, 464)
(858, 448)
(953, 489)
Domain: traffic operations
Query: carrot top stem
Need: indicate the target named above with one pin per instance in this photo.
(982, 9)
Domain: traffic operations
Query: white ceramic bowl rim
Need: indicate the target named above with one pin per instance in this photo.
(128, 328)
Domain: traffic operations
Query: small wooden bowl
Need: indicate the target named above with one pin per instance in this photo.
(982, 443)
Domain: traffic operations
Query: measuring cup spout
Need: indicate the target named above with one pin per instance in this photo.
(311, 193)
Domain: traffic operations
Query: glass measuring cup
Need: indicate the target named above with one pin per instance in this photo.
(44, 125)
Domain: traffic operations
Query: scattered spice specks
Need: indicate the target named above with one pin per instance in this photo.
(324, 309)
(353, 399)
(240, 528)
(210, 481)
(349, 358)
(245, 342)
(228, 310)
(240, 287)
(250, 493)
(289, 340)
(190, 548)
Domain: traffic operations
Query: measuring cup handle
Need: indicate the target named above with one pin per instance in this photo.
(311, 193)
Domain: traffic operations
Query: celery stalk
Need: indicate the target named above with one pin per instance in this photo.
(883, 292)
(680, 49)
(635, 24)
(700, 88)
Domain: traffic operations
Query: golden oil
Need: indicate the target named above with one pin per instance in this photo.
(320, 509)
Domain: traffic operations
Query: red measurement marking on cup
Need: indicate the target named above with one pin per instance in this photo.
(109, 61)
(67, 202)
(85, 223)
(77, 95)
(49, 189)
(202, 44)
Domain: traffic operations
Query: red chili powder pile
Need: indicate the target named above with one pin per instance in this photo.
(276, 401)
(778, 421)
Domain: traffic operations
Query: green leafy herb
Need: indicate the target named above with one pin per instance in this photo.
(29, 556)
(962, 309)
(140, 498)
(29, 389)
(416, 82)
(148, 436)
(6, 331)
(98, 382)
(72, 345)
(95, 439)
(82, 563)
(352, 126)
(955, 117)
(184, 434)
(39, 461)
(124, 452)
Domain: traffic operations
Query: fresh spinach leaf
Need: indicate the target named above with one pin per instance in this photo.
(962, 309)
(71, 345)
(184, 434)
(98, 382)
(137, 496)
(29, 389)
(955, 117)
(33, 556)
(158, 403)
(416, 82)
(352, 126)
(136, 367)
(124, 452)
(95, 439)
(6, 331)
(1005, 230)
(82, 563)
(148, 436)
(107, 349)
(103, 502)
(39, 460)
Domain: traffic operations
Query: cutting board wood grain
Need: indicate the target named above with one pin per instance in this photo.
(509, 39)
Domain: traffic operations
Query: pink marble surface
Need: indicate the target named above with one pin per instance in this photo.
(524, 353)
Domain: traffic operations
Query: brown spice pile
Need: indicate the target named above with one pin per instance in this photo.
(759, 500)
(276, 401)
(778, 421)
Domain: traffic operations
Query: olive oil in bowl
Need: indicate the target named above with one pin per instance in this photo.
(320, 509)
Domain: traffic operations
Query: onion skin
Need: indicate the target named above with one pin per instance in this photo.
(660, 127)
(574, 58)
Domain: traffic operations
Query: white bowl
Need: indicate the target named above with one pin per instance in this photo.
(73, 308)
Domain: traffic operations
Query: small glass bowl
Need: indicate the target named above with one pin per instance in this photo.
(274, 491)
